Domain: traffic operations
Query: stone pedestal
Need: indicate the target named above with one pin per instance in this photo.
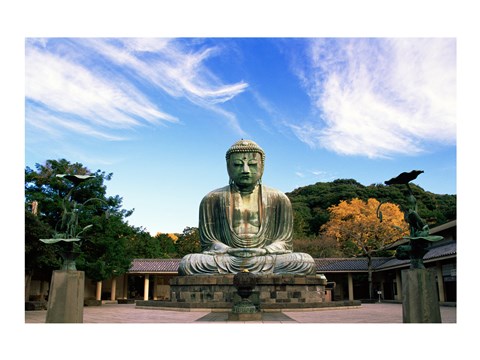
(270, 292)
(66, 297)
(244, 316)
(420, 299)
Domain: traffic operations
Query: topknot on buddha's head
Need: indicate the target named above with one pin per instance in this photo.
(245, 146)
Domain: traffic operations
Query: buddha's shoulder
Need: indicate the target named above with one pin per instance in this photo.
(217, 192)
(220, 192)
(273, 192)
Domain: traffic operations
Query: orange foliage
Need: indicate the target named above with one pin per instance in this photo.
(170, 235)
(173, 237)
(357, 228)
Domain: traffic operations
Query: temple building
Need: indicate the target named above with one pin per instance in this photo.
(148, 279)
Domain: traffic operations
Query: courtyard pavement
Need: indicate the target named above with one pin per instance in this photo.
(386, 313)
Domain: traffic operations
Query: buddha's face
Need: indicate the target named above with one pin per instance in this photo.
(245, 169)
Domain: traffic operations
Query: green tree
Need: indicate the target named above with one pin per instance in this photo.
(160, 246)
(317, 246)
(167, 245)
(302, 220)
(188, 242)
(38, 257)
(103, 251)
(310, 203)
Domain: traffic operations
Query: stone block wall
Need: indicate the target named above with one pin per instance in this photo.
(271, 291)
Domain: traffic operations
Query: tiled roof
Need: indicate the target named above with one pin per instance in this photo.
(444, 250)
(154, 265)
(323, 265)
(434, 253)
(446, 226)
(347, 264)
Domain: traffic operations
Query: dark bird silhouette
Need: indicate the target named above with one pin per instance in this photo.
(404, 178)
(76, 179)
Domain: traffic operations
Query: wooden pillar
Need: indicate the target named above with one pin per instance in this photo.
(99, 291)
(28, 281)
(146, 286)
(398, 284)
(441, 290)
(42, 290)
(350, 287)
(125, 286)
(382, 288)
(155, 283)
(114, 289)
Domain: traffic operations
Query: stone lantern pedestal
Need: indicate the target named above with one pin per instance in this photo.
(244, 310)
(65, 300)
(420, 299)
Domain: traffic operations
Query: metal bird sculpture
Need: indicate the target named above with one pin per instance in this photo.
(404, 177)
(75, 179)
(420, 237)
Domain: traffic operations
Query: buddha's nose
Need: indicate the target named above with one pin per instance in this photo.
(246, 168)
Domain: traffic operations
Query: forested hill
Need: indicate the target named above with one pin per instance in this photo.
(310, 203)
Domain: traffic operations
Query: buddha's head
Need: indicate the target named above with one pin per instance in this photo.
(245, 162)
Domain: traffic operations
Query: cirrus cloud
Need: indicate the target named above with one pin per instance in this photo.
(379, 97)
(98, 86)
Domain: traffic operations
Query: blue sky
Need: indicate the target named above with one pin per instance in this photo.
(160, 113)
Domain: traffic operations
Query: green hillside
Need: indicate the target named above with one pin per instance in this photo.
(310, 203)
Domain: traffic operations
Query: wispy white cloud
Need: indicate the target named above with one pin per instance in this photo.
(97, 86)
(276, 121)
(319, 173)
(54, 125)
(315, 174)
(171, 66)
(379, 97)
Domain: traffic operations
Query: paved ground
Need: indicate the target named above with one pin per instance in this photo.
(127, 313)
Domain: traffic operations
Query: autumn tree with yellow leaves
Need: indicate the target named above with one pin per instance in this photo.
(363, 228)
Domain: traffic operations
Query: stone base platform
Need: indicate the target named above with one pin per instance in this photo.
(65, 301)
(271, 293)
(245, 317)
(420, 306)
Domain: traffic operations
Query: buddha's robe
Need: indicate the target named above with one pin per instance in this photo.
(217, 236)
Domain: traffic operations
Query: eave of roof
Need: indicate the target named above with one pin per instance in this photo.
(154, 266)
(442, 227)
(330, 265)
(435, 230)
(443, 252)
(324, 265)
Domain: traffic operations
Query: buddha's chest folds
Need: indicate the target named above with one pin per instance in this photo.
(245, 215)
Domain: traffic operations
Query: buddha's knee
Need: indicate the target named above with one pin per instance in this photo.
(196, 264)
